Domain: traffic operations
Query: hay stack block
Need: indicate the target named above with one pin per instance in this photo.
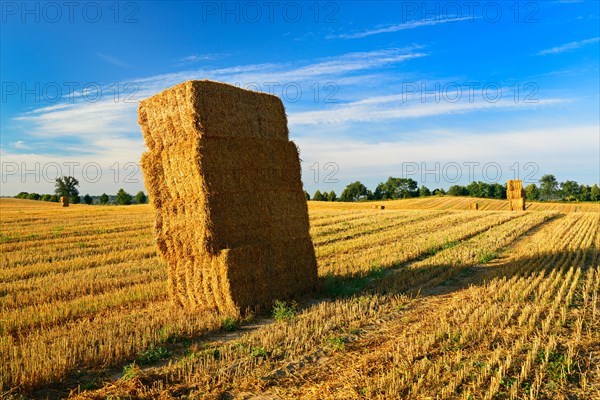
(224, 179)
(474, 206)
(64, 200)
(515, 195)
(379, 207)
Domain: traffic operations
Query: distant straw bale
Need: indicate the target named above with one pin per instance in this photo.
(515, 195)
(231, 213)
(64, 200)
(474, 206)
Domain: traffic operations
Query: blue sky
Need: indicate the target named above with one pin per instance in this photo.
(441, 92)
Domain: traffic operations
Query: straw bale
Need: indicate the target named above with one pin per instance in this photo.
(64, 200)
(474, 206)
(515, 195)
(231, 214)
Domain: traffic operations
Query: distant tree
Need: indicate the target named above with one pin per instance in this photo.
(354, 192)
(378, 194)
(45, 197)
(396, 188)
(480, 189)
(548, 187)
(140, 197)
(54, 198)
(22, 195)
(570, 189)
(87, 199)
(473, 189)
(439, 192)
(67, 186)
(497, 191)
(424, 191)
(595, 193)
(104, 198)
(318, 196)
(123, 198)
(33, 196)
(532, 192)
(585, 192)
(457, 190)
(331, 196)
(307, 195)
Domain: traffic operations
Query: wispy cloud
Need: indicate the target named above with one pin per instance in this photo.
(397, 27)
(569, 46)
(195, 58)
(104, 121)
(113, 60)
(20, 145)
(398, 106)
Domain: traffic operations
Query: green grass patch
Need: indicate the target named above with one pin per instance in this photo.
(152, 355)
(283, 311)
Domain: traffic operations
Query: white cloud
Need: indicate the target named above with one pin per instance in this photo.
(398, 106)
(20, 145)
(83, 120)
(569, 46)
(194, 58)
(99, 127)
(113, 60)
(545, 146)
(399, 27)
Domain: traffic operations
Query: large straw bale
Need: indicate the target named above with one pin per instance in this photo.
(224, 179)
(515, 195)
(64, 200)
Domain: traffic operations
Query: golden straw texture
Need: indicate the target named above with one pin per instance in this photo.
(231, 215)
(515, 195)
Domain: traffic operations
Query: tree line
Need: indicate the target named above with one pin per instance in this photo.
(67, 186)
(547, 189)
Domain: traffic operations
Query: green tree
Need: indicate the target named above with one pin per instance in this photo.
(123, 198)
(439, 192)
(497, 191)
(307, 195)
(569, 189)
(532, 192)
(396, 188)
(140, 197)
(548, 187)
(480, 189)
(595, 193)
(54, 198)
(22, 195)
(87, 199)
(318, 196)
(354, 192)
(424, 191)
(331, 196)
(104, 198)
(67, 186)
(585, 192)
(457, 190)
(33, 196)
(45, 197)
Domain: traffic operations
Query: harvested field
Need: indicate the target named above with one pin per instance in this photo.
(436, 302)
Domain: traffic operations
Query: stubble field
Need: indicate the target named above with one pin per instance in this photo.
(424, 299)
